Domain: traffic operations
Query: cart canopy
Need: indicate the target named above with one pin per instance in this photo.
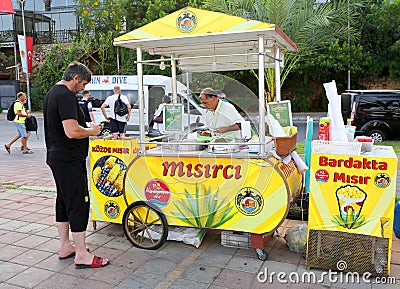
(202, 40)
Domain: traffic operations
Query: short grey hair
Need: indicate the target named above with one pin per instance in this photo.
(77, 68)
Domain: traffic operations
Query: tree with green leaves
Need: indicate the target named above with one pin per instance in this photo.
(310, 24)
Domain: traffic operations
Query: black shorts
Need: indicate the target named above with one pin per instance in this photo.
(72, 203)
(117, 126)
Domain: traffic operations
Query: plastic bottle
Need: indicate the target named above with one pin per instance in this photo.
(323, 132)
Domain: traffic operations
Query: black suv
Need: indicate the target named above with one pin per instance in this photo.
(375, 113)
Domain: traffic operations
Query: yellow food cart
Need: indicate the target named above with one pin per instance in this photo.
(351, 207)
(150, 184)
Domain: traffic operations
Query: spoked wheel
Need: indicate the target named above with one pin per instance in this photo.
(145, 225)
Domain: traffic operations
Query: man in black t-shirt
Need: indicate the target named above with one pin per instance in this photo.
(67, 140)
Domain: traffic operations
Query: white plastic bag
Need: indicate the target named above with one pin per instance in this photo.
(296, 238)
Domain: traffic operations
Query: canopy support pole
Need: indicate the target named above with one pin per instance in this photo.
(139, 67)
(174, 84)
(277, 74)
(261, 97)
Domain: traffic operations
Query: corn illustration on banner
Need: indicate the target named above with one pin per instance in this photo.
(354, 194)
(248, 194)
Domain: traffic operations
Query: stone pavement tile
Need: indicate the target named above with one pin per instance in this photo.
(141, 279)
(33, 217)
(47, 219)
(250, 252)
(395, 259)
(18, 205)
(119, 244)
(13, 225)
(175, 251)
(245, 264)
(50, 245)
(99, 226)
(212, 286)
(15, 214)
(31, 241)
(30, 277)
(35, 200)
(98, 239)
(217, 247)
(5, 212)
(50, 231)
(213, 259)
(234, 279)
(64, 281)
(273, 267)
(201, 273)
(108, 253)
(131, 260)
(280, 243)
(9, 286)
(5, 203)
(9, 270)
(12, 237)
(111, 274)
(9, 252)
(284, 255)
(311, 286)
(4, 220)
(388, 284)
(54, 264)
(33, 208)
(350, 285)
(269, 283)
(159, 265)
(31, 257)
(112, 230)
(32, 228)
(188, 284)
(395, 271)
(49, 210)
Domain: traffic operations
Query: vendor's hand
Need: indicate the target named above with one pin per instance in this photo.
(128, 117)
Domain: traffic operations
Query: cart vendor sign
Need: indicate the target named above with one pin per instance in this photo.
(242, 194)
(354, 193)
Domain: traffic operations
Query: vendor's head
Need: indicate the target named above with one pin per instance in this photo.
(209, 98)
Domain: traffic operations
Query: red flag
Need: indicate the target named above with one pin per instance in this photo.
(29, 52)
(6, 6)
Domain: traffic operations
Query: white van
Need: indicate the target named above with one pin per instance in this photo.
(155, 87)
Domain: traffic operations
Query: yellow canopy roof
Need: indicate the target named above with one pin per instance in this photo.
(205, 41)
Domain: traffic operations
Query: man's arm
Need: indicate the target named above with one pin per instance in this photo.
(233, 127)
(91, 115)
(103, 110)
(74, 131)
(128, 116)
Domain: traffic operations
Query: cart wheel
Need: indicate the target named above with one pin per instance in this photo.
(261, 254)
(145, 225)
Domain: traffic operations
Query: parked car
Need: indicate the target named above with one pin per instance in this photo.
(375, 113)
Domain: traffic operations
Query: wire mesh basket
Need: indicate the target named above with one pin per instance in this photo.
(336, 147)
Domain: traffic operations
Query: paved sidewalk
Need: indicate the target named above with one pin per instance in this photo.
(28, 247)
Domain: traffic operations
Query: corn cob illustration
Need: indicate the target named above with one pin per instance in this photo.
(110, 162)
(119, 183)
(96, 174)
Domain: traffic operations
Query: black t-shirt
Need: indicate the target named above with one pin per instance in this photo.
(61, 104)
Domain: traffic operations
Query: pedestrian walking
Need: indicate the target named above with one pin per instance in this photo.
(19, 121)
(67, 141)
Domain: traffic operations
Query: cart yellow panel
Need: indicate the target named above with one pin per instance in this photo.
(246, 194)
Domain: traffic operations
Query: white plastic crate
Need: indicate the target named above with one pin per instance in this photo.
(235, 239)
(336, 147)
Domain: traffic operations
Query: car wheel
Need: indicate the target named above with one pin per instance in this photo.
(105, 131)
(377, 135)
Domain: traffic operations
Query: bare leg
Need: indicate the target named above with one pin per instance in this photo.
(82, 255)
(13, 140)
(115, 135)
(23, 141)
(66, 247)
